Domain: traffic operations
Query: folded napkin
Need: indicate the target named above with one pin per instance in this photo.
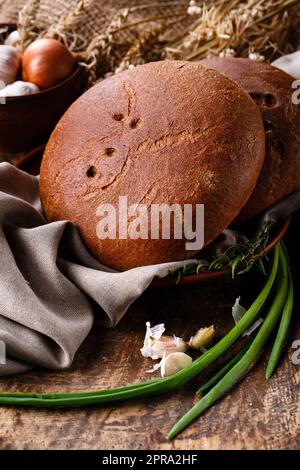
(50, 285)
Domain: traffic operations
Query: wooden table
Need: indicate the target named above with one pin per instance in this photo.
(256, 415)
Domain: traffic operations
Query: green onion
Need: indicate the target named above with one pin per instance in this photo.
(240, 369)
(283, 327)
(151, 387)
(222, 371)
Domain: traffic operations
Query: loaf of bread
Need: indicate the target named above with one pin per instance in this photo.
(271, 89)
(168, 132)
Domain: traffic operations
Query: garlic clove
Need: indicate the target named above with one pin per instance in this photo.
(19, 88)
(156, 344)
(10, 61)
(13, 39)
(202, 338)
(174, 363)
(167, 345)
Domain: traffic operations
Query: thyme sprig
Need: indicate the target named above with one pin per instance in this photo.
(237, 259)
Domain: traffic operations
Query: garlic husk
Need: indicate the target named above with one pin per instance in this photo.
(10, 61)
(238, 311)
(155, 367)
(253, 327)
(156, 331)
(19, 88)
(167, 345)
(13, 39)
(173, 363)
(156, 345)
(152, 333)
(202, 338)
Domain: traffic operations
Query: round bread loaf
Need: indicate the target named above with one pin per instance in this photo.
(168, 132)
(271, 89)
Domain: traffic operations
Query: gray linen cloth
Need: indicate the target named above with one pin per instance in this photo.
(50, 284)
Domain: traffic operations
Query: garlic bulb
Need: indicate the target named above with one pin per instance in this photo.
(10, 60)
(19, 88)
(47, 62)
(13, 39)
(174, 363)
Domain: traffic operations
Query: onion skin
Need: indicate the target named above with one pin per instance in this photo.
(46, 63)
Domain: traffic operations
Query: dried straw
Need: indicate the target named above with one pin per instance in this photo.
(183, 29)
(65, 30)
(27, 23)
(238, 28)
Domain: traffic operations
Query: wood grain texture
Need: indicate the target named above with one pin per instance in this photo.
(256, 415)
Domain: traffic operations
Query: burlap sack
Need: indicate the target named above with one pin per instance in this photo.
(95, 18)
(51, 11)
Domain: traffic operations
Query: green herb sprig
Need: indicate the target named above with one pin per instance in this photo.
(237, 259)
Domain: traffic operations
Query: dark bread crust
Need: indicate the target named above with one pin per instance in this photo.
(176, 132)
(272, 90)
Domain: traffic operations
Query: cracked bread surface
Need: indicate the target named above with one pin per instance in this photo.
(167, 132)
(272, 90)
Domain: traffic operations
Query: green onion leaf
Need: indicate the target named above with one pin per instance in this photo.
(222, 371)
(240, 369)
(283, 327)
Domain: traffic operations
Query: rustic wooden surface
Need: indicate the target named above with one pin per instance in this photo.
(256, 415)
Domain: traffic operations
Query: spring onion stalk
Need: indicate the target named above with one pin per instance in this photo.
(283, 327)
(240, 369)
(209, 384)
(151, 387)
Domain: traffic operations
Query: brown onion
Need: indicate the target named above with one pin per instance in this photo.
(47, 62)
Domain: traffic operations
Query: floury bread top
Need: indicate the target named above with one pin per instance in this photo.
(167, 133)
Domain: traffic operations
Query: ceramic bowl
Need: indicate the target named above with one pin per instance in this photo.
(27, 121)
